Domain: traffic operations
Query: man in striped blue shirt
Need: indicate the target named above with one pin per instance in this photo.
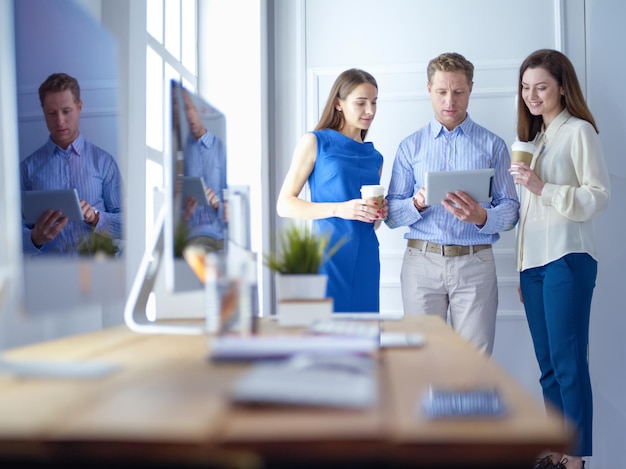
(205, 156)
(68, 161)
(448, 268)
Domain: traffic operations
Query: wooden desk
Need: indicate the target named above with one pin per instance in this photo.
(169, 404)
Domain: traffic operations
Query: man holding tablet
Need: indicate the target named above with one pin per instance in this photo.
(205, 163)
(68, 161)
(448, 268)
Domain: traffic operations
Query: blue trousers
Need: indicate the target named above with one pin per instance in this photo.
(557, 300)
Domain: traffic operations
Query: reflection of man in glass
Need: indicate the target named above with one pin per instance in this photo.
(68, 161)
(205, 157)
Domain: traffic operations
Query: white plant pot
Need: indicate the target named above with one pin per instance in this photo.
(301, 286)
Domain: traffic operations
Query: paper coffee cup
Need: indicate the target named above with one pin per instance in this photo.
(374, 192)
(522, 151)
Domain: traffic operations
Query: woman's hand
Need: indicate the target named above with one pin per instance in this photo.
(527, 178)
(366, 210)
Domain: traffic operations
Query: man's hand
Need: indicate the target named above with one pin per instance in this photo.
(466, 209)
(213, 199)
(90, 215)
(419, 200)
(189, 207)
(47, 227)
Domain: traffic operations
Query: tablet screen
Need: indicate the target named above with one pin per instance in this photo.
(35, 203)
(194, 187)
(477, 183)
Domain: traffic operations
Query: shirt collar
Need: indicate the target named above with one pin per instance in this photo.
(438, 129)
(556, 124)
(207, 139)
(76, 147)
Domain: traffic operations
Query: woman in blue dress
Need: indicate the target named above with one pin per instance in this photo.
(336, 161)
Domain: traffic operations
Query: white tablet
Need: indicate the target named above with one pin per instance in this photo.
(477, 183)
(35, 203)
(194, 187)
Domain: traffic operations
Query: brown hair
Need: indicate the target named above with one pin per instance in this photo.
(58, 82)
(450, 62)
(562, 70)
(345, 83)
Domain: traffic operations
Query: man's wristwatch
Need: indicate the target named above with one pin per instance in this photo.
(417, 206)
(95, 221)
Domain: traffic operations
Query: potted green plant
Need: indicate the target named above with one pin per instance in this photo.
(302, 252)
(97, 245)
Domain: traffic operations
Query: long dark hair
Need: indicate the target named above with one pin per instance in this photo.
(562, 70)
(344, 84)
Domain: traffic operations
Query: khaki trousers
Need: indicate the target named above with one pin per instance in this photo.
(462, 290)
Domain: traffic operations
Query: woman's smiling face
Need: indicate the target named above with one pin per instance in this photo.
(542, 94)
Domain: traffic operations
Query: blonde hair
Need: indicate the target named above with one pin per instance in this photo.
(450, 62)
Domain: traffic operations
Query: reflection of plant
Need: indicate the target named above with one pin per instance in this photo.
(302, 251)
(181, 232)
(97, 244)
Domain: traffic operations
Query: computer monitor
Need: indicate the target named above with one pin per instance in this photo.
(197, 167)
(200, 212)
(65, 281)
(46, 298)
(10, 254)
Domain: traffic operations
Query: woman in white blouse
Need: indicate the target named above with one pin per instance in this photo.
(564, 188)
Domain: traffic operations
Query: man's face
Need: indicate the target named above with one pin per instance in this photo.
(62, 116)
(195, 123)
(449, 94)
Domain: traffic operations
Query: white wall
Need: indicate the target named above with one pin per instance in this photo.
(606, 93)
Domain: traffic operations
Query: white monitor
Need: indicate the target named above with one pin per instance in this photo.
(166, 293)
(10, 254)
(57, 284)
(47, 300)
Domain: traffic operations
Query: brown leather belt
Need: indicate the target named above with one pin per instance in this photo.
(448, 250)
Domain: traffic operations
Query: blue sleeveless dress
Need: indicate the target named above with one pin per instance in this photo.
(342, 166)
